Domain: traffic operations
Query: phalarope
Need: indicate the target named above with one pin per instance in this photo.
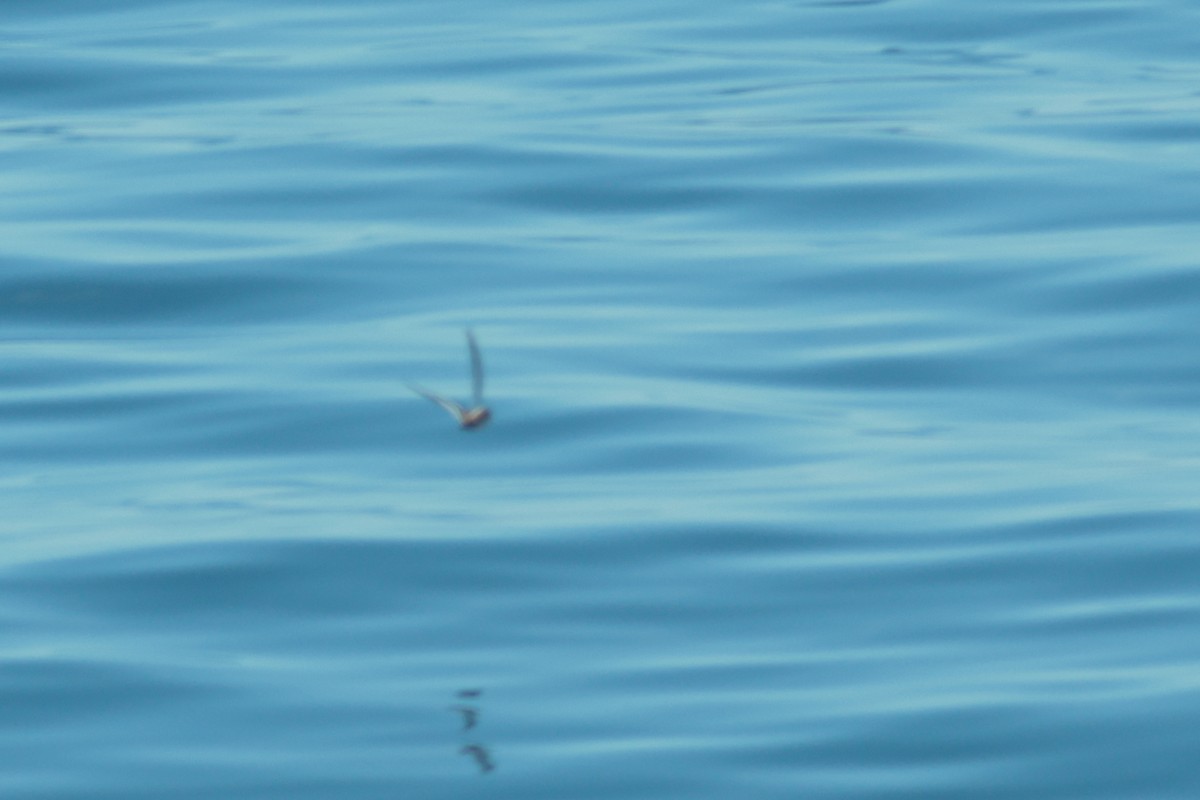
(468, 418)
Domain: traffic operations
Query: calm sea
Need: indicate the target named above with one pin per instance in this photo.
(844, 365)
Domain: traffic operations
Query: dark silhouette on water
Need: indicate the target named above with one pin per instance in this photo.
(470, 718)
(481, 755)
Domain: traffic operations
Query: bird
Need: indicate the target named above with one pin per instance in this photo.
(468, 418)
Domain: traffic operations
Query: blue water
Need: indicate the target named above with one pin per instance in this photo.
(844, 366)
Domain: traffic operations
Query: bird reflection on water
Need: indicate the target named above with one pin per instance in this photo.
(470, 717)
(481, 756)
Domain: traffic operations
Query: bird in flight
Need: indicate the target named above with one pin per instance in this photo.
(478, 414)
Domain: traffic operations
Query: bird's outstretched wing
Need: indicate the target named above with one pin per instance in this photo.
(452, 408)
(476, 369)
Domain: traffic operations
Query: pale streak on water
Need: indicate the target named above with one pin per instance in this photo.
(844, 371)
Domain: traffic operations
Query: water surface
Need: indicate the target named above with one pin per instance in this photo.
(843, 367)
